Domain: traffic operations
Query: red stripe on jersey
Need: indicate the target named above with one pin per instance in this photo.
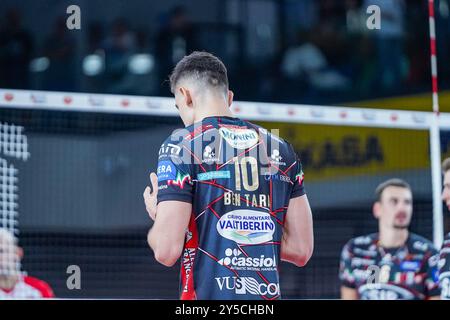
(188, 262)
(197, 131)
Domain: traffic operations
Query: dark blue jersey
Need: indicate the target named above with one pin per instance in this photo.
(239, 178)
(409, 272)
(444, 269)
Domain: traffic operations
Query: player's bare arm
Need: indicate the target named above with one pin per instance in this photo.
(348, 293)
(298, 240)
(171, 219)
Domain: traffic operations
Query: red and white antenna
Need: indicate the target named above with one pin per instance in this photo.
(435, 137)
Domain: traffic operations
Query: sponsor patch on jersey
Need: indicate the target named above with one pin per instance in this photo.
(435, 275)
(169, 149)
(209, 155)
(420, 245)
(299, 177)
(410, 265)
(181, 180)
(276, 158)
(213, 175)
(363, 240)
(166, 171)
(239, 138)
(358, 262)
(248, 285)
(277, 177)
(236, 260)
(188, 262)
(246, 226)
(367, 253)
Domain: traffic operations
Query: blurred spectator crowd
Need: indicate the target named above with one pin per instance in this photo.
(323, 52)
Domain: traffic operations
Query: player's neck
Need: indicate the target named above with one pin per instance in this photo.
(212, 107)
(213, 113)
(393, 238)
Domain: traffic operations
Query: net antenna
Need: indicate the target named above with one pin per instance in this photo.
(435, 138)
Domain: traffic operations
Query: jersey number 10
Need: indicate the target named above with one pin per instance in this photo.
(241, 167)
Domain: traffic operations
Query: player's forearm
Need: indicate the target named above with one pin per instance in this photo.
(291, 256)
(152, 236)
(151, 239)
(295, 252)
(166, 250)
(165, 254)
(297, 243)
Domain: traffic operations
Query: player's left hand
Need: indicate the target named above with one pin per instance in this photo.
(151, 197)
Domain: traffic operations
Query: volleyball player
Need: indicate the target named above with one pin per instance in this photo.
(228, 197)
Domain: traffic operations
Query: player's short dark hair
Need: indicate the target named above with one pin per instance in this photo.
(202, 65)
(446, 165)
(395, 182)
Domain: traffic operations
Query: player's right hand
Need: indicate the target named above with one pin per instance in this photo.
(150, 196)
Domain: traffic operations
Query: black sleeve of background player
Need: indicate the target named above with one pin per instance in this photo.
(345, 267)
(297, 177)
(444, 271)
(432, 274)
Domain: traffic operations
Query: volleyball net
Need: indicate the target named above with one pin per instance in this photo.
(73, 167)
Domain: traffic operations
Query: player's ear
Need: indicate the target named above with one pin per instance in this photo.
(230, 97)
(376, 209)
(187, 96)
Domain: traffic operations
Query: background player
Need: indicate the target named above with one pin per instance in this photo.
(13, 285)
(394, 263)
(230, 195)
(444, 260)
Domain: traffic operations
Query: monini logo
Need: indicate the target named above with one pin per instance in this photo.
(246, 226)
(239, 138)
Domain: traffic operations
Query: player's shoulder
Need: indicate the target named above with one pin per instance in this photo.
(266, 133)
(175, 145)
(276, 142)
(360, 250)
(40, 285)
(420, 244)
(179, 135)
